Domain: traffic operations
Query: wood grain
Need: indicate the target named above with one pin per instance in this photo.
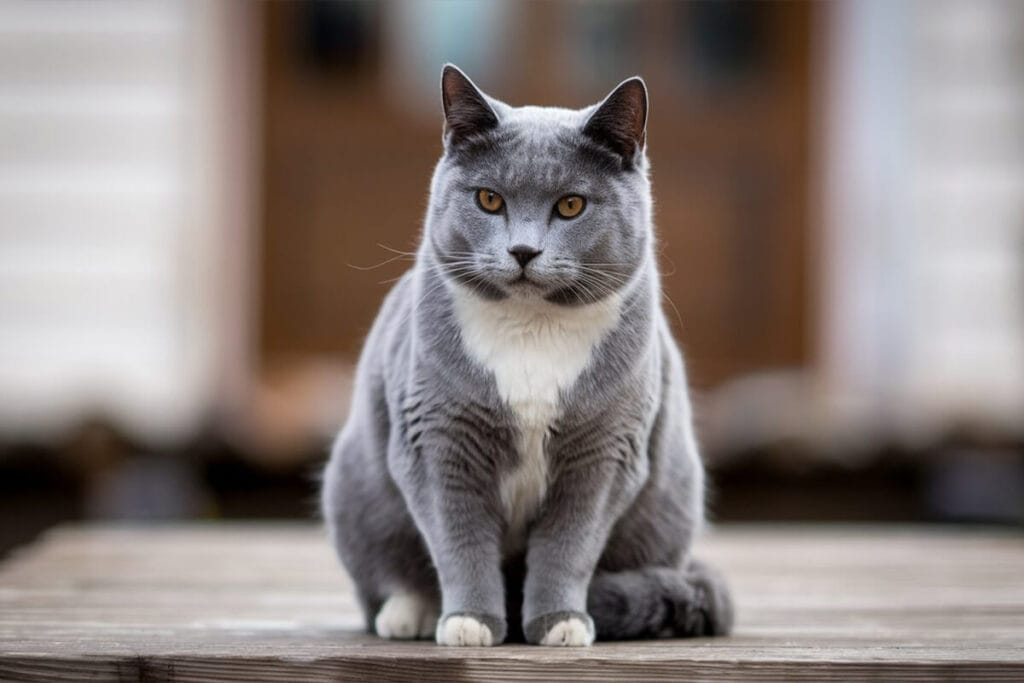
(237, 602)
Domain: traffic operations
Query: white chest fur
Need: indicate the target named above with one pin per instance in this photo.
(534, 349)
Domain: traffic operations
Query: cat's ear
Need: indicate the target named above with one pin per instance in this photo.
(620, 121)
(466, 110)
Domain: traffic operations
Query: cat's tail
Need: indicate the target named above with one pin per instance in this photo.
(660, 602)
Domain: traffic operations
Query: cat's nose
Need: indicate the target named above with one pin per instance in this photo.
(524, 253)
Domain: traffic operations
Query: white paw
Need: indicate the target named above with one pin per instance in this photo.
(405, 616)
(461, 630)
(571, 632)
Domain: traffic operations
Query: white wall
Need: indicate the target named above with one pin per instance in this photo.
(923, 254)
(124, 212)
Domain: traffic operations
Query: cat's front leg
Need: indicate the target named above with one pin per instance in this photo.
(565, 544)
(445, 484)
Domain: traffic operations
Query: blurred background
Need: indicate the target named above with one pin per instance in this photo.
(202, 205)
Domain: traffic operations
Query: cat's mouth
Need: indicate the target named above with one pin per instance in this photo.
(522, 285)
(524, 281)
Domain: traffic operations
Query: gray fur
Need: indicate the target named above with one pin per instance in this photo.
(411, 492)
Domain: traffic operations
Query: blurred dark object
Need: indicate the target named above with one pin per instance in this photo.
(37, 490)
(766, 485)
(149, 487)
(98, 472)
(337, 37)
(726, 41)
(977, 485)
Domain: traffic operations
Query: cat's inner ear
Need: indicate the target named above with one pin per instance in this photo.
(466, 111)
(620, 121)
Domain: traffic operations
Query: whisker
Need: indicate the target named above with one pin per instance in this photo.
(382, 263)
(598, 284)
(396, 251)
(679, 316)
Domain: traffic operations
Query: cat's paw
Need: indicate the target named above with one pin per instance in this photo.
(469, 630)
(570, 632)
(561, 629)
(405, 616)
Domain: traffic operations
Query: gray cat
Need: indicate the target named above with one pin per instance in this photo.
(519, 461)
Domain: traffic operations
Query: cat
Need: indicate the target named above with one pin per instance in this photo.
(519, 461)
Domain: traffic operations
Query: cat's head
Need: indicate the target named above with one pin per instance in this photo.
(539, 202)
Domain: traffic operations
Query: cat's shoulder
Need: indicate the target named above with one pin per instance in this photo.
(398, 300)
(392, 317)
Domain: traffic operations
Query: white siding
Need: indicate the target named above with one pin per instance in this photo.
(108, 240)
(924, 267)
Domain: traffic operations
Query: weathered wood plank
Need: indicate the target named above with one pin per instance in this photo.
(242, 601)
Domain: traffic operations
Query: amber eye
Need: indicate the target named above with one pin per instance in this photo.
(571, 206)
(489, 200)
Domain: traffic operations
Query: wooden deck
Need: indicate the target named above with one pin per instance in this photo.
(246, 602)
